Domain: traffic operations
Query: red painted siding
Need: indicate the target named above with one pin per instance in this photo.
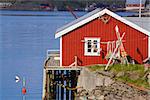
(136, 42)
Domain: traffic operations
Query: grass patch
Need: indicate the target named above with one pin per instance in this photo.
(118, 68)
(96, 68)
(132, 73)
(138, 82)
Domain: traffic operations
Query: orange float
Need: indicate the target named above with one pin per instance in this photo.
(24, 90)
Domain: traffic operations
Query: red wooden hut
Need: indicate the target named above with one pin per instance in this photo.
(87, 38)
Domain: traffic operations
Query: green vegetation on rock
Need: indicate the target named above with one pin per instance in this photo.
(134, 74)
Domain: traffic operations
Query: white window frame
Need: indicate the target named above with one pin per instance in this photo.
(92, 53)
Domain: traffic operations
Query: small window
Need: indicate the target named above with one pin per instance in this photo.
(92, 47)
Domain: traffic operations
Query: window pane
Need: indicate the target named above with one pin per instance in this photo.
(89, 46)
(89, 50)
(89, 42)
(95, 46)
(95, 41)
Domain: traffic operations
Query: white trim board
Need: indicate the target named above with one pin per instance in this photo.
(149, 46)
(44, 84)
(60, 51)
(96, 15)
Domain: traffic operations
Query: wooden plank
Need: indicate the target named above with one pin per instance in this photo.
(62, 68)
(73, 83)
(57, 87)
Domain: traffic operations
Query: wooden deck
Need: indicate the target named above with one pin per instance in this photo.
(54, 73)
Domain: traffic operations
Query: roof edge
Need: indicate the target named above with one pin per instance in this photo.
(96, 15)
(80, 23)
(127, 22)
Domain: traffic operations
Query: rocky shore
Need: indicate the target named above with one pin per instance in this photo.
(102, 86)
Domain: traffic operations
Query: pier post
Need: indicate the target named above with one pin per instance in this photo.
(67, 84)
(57, 87)
(62, 82)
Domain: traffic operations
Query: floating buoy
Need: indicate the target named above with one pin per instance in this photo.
(17, 79)
(24, 90)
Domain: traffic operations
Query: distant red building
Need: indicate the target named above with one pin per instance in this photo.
(95, 29)
(135, 4)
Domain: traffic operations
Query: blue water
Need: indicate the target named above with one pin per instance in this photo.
(23, 44)
(135, 1)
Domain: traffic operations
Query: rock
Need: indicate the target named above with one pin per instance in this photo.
(106, 73)
(133, 75)
(103, 87)
(148, 77)
(97, 92)
(148, 96)
(108, 81)
(139, 98)
(109, 96)
(82, 92)
(92, 97)
(100, 97)
(86, 78)
(120, 74)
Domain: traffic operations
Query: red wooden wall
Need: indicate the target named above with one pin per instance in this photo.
(136, 43)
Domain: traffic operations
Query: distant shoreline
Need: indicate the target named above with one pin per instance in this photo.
(23, 15)
(144, 13)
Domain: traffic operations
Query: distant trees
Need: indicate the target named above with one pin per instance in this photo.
(81, 4)
(74, 4)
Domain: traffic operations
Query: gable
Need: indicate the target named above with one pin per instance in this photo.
(91, 16)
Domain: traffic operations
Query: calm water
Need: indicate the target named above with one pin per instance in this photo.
(23, 44)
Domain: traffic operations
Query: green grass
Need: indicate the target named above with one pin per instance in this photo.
(96, 68)
(118, 68)
(138, 82)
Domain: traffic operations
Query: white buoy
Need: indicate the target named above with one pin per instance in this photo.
(17, 79)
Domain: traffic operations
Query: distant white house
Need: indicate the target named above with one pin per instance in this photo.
(134, 4)
(5, 5)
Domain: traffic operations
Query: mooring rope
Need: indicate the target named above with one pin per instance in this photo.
(67, 87)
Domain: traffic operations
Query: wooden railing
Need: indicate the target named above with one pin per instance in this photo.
(62, 68)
